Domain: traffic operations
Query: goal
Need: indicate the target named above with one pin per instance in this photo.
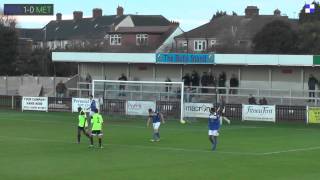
(136, 97)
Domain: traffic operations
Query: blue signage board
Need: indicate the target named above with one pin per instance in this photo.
(182, 58)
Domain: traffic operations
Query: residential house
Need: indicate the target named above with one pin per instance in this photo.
(228, 34)
(107, 33)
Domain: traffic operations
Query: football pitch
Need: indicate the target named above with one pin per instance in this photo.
(41, 146)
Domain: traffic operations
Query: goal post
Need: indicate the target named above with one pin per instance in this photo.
(140, 91)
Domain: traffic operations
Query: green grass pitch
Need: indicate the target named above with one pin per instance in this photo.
(41, 146)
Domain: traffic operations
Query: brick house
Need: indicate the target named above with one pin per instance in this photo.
(106, 33)
(228, 34)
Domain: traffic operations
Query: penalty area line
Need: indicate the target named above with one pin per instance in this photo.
(291, 150)
(182, 149)
(4, 138)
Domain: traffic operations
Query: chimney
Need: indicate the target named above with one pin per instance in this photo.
(174, 23)
(252, 11)
(77, 15)
(120, 11)
(277, 12)
(96, 12)
(58, 17)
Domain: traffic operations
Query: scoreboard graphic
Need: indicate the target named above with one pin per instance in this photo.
(28, 9)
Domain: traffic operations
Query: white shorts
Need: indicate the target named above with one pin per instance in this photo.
(213, 133)
(156, 125)
(91, 113)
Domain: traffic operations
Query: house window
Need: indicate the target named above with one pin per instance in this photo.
(142, 39)
(115, 39)
(213, 42)
(200, 45)
(184, 44)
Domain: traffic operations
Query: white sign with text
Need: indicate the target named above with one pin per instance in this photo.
(84, 103)
(258, 113)
(201, 110)
(35, 103)
(139, 107)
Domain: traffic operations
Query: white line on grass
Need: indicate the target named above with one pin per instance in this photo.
(237, 127)
(183, 149)
(169, 148)
(291, 150)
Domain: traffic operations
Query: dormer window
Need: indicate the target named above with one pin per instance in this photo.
(115, 39)
(142, 39)
(200, 45)
(213, 42)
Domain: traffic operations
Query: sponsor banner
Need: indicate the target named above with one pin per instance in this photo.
(182, 58)
(258, 113)
(35, 103)
(313, 114)
(139, 107)
(84, 103)
(201, 110)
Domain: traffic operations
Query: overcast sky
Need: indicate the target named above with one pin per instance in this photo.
(190, 13)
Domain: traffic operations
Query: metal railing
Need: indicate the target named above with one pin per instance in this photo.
(200, 93)
(10, 102)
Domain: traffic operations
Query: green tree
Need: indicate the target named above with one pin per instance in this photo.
(309, 38)
(234, 13)
(37, 63)
(8, 50)
(276, 37)
(8, 45)
(310, 17)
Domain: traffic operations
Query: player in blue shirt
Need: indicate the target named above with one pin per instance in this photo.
(156, 118)
(93, 107)
(214, 125)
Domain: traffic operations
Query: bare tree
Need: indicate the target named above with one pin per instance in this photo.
(8, 21)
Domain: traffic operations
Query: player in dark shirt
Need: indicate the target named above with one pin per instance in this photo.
(213, 126)
(156, 118)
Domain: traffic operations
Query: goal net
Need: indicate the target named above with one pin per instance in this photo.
(134, 98)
